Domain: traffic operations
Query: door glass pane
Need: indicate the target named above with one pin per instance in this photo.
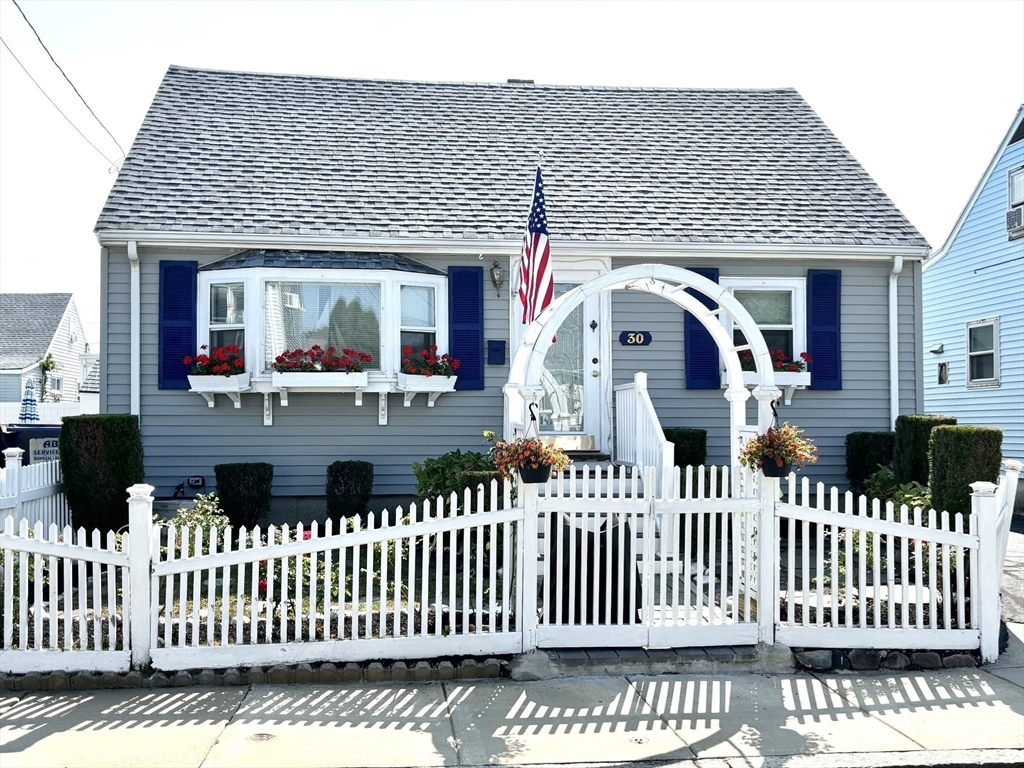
(417, 306)
(561, 407)
(768, 307)
(981, 338)
(983, 367)
(300, 315)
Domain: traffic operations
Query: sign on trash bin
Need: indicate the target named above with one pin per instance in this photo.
(43, 449)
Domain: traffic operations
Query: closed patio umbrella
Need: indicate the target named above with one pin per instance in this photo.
(29, 410)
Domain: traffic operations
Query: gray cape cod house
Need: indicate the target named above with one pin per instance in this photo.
(277, 211)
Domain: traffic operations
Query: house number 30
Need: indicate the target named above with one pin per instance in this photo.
(635, 338)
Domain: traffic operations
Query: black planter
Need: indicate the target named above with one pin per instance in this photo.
(538, 475)
(770, 469)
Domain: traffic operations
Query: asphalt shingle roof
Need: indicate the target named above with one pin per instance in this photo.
(320, 260)
(233, 152)
(28, 322)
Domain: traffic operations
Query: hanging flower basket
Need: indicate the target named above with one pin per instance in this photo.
(539, 474)
(783, 446)
(771, 469)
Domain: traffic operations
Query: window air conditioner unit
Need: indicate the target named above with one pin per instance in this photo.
(1015, 219)
(292, 301)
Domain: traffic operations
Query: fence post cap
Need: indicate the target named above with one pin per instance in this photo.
(737, 395)
(1013, 465)
(983, 489)
(140, 491)
(13, 453)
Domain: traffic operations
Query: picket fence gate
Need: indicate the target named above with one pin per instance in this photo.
(717, 557)
(33, 492)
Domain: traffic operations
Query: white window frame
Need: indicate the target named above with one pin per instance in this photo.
(211, 327)
(797, 286)
(390, 282)
(981, 383)
(1010, 203)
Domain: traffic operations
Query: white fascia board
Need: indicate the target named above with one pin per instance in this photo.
(936, 257)
(437, 246)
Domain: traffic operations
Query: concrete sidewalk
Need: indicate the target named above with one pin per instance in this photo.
(948, 717)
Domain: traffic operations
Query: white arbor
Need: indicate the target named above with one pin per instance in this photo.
(671, 283)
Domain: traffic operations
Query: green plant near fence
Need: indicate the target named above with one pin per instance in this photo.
(865, 453)
(691, 446)
(962, 455)
(244, 491)
(450, 472)
(100, 456)
(910, 451)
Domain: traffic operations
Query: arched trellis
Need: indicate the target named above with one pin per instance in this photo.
(669, 282)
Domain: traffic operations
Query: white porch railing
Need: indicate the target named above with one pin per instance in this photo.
(639, 438)
(49, 413)
(34, 492)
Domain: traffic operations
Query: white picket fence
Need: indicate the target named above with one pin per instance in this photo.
(589, 560)
(34, 493)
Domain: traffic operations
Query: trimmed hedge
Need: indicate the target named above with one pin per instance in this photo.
(691, 446)
(100, 457)
(962, 455)
(865, 452)
(349, 488)
(244, 491)
(910, 452)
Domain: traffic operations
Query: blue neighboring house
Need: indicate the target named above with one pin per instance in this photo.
(973, 320)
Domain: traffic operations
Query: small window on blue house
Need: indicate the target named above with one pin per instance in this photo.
(1016, 187)
(983, 353)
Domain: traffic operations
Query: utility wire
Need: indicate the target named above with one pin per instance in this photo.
(65, 76)
(37, 85)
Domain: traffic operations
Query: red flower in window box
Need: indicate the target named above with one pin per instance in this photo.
(780, 361)
(317, 359)
(223, 361)
(427, 363)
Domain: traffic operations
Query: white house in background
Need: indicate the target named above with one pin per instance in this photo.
(32, 326)
(89, 390)
(973, 318)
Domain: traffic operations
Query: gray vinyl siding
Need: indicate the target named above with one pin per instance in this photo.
(10, 388)
(183, 437)
(826, 416)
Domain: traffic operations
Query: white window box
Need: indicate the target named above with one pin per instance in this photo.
(320, 381)
(787, 381)
(434, 386)
(208, 386)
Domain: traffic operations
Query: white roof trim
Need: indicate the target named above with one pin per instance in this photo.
(937, 256)
(438, 246)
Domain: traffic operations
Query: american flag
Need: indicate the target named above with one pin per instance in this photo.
(536, 284)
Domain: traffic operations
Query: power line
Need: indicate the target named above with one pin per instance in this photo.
(37, 85)
(66, 77)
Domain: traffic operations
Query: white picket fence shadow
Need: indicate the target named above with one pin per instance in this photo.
(66, 597)
(33, 492)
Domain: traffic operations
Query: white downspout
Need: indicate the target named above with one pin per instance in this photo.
(894, 342)
(136, 309)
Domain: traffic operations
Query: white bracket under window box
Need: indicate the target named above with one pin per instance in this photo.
(434, 386)
(320, 381)
(208, 386)
(787, 381)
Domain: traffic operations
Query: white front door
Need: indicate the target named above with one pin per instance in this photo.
(576, 379)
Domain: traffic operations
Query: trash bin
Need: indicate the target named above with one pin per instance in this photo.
(621, 560)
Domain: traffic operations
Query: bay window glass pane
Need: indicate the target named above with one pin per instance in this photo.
(227, 304)
(418, 340)
(417, 306)
(768, 307)
(228, 338)
(983, 367)
(981, 338)
(301, 315)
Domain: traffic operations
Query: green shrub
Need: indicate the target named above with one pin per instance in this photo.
(882, 485)
(865, 453)
(204, 513)
(962, 455)
(910, 452)
(446, 473)
(244, 491)
(100, 458)
(691, 446)
(349, 488)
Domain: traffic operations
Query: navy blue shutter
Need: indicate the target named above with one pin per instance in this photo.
(177, 334)
(466, 324)
(702, 371)
(824, 339)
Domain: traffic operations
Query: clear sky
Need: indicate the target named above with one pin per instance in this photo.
(920, 92)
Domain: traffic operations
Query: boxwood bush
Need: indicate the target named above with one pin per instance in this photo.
(910, 452)
(349, 488)
(100, 457)
(691, 446)
(865, 453)
(244, 491)
(962, 455)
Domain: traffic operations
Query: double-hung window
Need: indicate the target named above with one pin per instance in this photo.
(1016, 188)
(419, 316)
(777, 306)
(227, 315)
(983, 353)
